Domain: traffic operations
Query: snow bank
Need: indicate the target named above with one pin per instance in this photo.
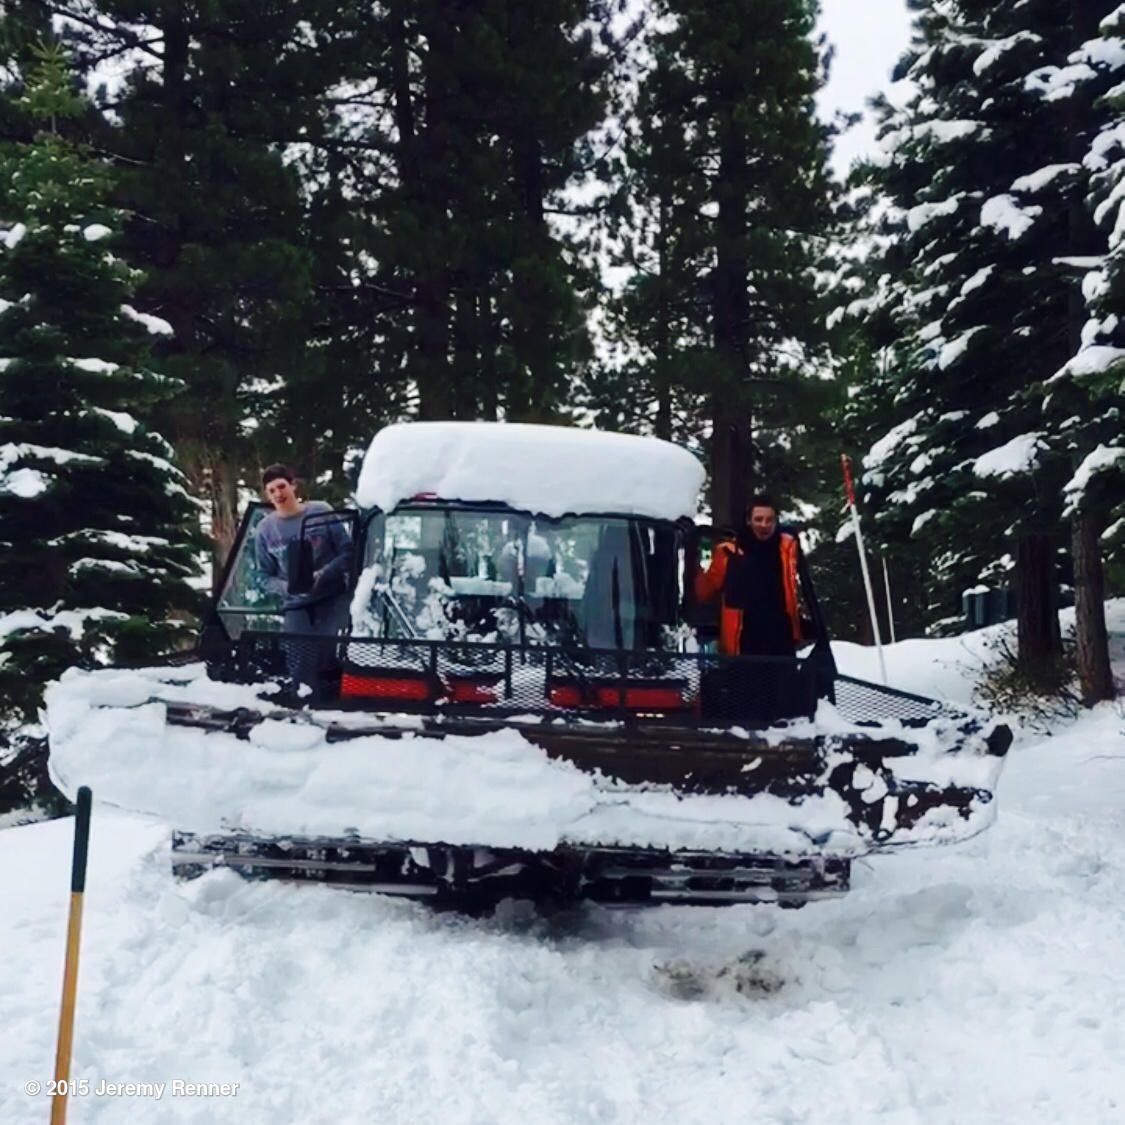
(547, 470)
(947, 668)
(883, 1008)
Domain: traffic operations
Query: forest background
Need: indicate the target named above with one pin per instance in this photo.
(238, 231)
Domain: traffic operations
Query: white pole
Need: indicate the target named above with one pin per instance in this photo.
(890, 604)
(863, 562)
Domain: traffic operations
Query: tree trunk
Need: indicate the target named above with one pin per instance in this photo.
(1094, 672)
(466, 370)
(431, 325)
(224, 513)
(531, 397)
(663, 345)
(488, 335)
(729, 455)
(1037, 610)
(202, 449)
(730, 412)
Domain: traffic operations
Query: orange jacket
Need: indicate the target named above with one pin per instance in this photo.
(710, 582)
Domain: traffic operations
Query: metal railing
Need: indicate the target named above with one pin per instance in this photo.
(460, 677)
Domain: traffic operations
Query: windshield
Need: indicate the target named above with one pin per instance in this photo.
(493, 575)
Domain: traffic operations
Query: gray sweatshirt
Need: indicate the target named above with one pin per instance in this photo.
(331, 547)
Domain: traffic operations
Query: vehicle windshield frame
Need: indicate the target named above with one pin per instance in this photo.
(663, 616)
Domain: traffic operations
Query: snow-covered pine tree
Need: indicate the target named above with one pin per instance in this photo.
(211, 104)
(1084, 407)
(96, 552)
(979, 174)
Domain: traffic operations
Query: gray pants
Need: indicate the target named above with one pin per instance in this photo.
(308, 664)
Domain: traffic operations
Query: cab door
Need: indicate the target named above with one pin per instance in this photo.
(242, 601)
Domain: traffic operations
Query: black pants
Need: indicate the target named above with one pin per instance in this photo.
(768, 680)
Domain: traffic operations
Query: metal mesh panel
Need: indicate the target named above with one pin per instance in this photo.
(859, 701)
(438, 676)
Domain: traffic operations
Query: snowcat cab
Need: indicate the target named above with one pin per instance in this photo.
(545, 618)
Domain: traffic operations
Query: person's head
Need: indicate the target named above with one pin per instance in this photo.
(280, 486)
(761, 516)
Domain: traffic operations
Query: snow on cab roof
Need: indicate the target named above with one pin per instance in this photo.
(547, 470)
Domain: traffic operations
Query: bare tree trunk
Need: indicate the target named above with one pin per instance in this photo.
(1094, 672)
(730, 412)
(532, 392)
(224, 512)
(431, 325)
(465, 369)
(1037, 609)
(729, 450)
(663, 425)
(488, 335)
(201, 447)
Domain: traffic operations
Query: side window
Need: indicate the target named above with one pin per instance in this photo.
(244, 602)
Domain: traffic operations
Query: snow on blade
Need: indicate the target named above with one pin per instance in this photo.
(109, 730)
(547, 470)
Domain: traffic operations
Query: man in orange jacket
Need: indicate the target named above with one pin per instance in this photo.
(756, 577)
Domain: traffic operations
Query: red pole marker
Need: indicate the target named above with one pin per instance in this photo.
(849, 489)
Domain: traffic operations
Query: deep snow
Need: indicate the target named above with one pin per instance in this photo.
(969, 985)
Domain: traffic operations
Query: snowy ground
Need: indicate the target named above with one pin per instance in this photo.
(965, 985)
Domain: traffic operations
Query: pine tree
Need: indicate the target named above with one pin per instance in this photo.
(97, 555)
(490, 109)
(729, 207)
(208, 127)
(975, 282)
(656, 330)
(1084, 407)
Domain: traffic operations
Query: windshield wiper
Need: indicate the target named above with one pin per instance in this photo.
(402, 618)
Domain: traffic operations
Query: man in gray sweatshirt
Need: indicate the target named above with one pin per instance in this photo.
(323, 611)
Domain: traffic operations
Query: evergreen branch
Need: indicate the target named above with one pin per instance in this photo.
(401, 300)
(95, 58)
(132, 38)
